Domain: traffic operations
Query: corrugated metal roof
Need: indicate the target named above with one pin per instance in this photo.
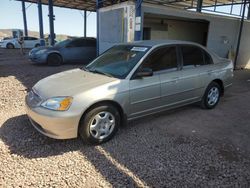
(90, 5)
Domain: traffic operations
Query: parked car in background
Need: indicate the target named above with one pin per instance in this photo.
(74, 50)
(28, 42)
(128, 81)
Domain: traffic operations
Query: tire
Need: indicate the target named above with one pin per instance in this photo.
(93, 132)
(10, 46)
(37, 45)
(211, 96)
(54, 60)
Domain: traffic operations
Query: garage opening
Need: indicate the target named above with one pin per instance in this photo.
(175, 28)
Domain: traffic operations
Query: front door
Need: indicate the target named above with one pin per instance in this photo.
(146, 93)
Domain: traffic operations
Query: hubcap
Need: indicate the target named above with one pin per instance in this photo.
(213, 96)
(102, 125)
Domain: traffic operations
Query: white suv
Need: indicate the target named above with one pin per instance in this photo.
(29, 42)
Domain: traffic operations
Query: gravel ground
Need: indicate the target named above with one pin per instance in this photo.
(187, 147)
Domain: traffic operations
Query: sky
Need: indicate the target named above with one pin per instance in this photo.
(67, 21)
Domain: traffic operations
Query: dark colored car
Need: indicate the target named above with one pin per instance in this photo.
(76, 50)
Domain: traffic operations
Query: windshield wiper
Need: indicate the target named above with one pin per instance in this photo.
(100, 72)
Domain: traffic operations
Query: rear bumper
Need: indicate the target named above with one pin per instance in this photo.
(53, 125)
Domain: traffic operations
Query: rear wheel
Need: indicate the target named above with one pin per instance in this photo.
(37, 45)
(10, 46)
(99, 124)
(212, 96)
(54, 60)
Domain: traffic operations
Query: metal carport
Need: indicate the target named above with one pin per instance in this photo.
(94, 5)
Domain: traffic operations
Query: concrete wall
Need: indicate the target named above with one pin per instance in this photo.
(244, 55)
(166, 28)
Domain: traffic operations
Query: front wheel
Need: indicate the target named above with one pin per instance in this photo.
(212, 96)
(99, 124)
(10, 46)
(54, 59)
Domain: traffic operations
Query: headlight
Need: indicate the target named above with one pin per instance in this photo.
(58, 103)
(41, 51)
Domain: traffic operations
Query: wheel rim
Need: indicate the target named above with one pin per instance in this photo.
(102, 125)
(213, 96)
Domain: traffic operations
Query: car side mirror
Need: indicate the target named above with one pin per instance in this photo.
(144, 72)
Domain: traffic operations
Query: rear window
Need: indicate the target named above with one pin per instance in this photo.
(192, 56)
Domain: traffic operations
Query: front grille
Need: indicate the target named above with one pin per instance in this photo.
(33, 99)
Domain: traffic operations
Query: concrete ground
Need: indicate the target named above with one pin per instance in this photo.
(186, 147)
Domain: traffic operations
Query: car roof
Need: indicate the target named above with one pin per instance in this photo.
(152, 43)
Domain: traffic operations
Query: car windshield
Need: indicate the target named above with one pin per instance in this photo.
(118, 61)
(63, 43)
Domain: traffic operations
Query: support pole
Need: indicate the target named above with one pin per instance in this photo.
(40, 17)
(138, 21)
(51, 22)
(248, 14)
(99, 4)
(239, 36)
(199, 5)
(85, 23)
(24, 19)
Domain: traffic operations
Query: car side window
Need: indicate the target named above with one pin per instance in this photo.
(207, 58)
(164, 58)
(76, 43)
(192, 56)
(91, 43)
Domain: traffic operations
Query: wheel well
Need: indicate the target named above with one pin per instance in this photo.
(53, 54)
(9, 43)
(218, 81)
(113, 103)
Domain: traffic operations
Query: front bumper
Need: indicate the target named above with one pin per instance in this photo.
(58, 125)
(38, 58)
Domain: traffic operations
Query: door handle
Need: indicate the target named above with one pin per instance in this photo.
(210, 72)
(175, 79)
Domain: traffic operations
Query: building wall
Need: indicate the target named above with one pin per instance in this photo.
(222, 35)
(222, 31)
(166, 28)
(244, 55)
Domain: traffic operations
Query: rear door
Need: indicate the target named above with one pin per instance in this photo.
(88, 50)
(191, 76)
(73, 51)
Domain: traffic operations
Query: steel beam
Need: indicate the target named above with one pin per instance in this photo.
(138, 20)
(248, 13)
(24, 19)
(99, 4)
(85, 23)
(239, 35)
(51, 22)
(199, 5)
(40, 17)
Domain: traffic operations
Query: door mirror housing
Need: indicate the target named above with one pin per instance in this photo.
(144, 72)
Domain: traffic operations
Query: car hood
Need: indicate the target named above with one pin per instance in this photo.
(70, 83)
(48, 48)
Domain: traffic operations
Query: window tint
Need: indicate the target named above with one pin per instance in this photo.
(91, 43)
(30, 38)
(161, 59)
(207, 58)
(77, 43)
(83, 43)
(192, 56)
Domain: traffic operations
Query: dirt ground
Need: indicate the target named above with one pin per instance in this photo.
(186, 147)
